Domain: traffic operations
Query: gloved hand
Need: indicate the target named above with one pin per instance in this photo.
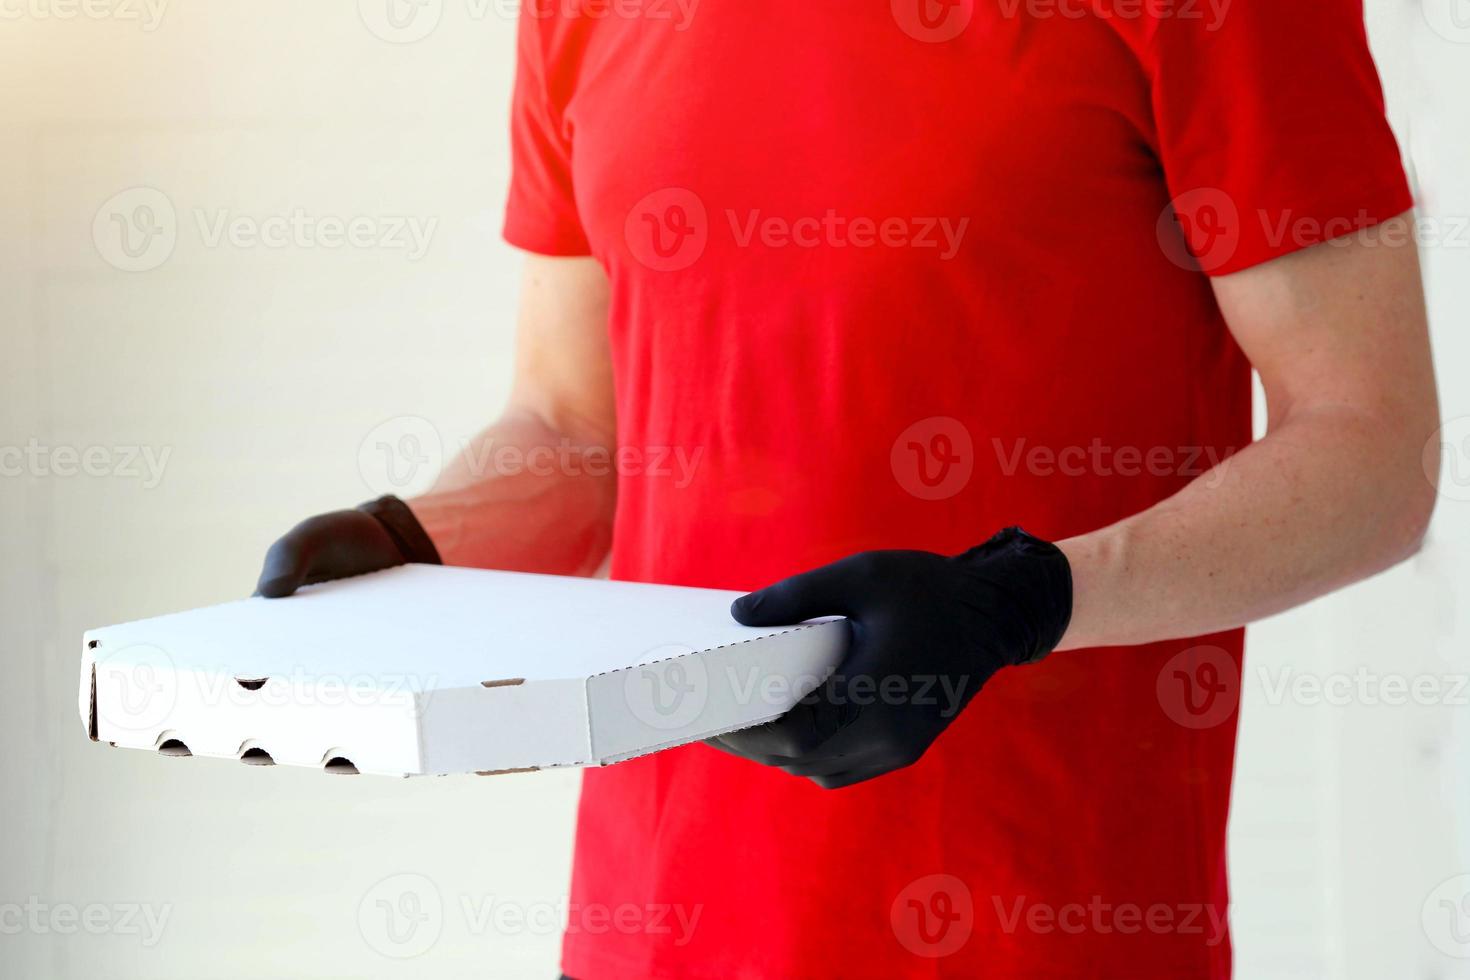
(927, 632)
(379, 534)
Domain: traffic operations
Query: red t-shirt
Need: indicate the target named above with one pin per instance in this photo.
(894, 275)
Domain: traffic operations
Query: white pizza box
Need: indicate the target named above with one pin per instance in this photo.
(424, 669)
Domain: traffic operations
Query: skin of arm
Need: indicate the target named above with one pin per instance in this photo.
(535, 491)
(1337, 489)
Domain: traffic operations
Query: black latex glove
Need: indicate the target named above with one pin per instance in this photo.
(379, 534)
(927, 632)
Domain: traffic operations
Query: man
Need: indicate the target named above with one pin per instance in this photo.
(899, 280)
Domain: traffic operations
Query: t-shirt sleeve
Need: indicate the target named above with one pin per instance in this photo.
(1271, 127)
(541, 210)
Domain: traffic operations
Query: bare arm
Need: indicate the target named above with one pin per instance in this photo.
(1335, 492)
(535, 491)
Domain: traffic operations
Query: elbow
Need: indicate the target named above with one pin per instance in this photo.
(1410, 511)
(1414, 521)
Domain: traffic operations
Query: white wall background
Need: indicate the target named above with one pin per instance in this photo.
(260, 371)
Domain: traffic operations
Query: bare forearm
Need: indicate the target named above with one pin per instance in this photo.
(523, 496)
(1336, 491)
(1326, 499)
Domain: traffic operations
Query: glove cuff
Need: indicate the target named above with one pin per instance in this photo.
(404, 529)
(1037, 576)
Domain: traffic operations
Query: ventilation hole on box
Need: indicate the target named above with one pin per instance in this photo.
(511, 682)
(91, 644)
(174, 747)
(257, 757)
(251, 683)
(340, 765)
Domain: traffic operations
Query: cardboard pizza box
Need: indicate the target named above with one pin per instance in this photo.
(423, 669)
